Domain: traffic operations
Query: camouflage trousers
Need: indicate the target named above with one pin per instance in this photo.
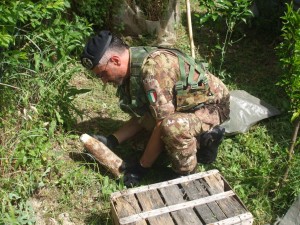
(178, 134)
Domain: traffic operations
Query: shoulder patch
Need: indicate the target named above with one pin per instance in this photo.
(152, 96)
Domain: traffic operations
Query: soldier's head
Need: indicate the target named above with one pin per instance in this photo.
(107, 56)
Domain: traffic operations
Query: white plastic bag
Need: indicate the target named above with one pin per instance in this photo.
(245, 111)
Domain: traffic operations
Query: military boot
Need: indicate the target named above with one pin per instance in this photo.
(209, 143)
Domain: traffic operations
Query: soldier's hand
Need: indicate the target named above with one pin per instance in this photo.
(110, 141)
(134, 174)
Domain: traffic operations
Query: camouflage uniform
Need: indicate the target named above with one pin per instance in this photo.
(160, 72)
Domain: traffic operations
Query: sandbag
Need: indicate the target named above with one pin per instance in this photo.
(136, 23)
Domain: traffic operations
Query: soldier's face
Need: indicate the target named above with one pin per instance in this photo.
(100, 70)
(108, 73)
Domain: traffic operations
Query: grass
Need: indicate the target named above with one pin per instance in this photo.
(57, 181)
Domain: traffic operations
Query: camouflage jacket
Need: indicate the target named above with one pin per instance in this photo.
(157, 87)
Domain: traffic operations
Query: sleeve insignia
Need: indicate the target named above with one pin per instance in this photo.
(152, 96)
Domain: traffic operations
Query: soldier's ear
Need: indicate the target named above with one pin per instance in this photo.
(115, 60)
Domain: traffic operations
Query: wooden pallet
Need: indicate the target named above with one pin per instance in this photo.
(202, 198)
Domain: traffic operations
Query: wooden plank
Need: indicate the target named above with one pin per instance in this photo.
(150, 200)
(172, 195)
(236, 206)
(116, 220)
(229, 206)
(220, 181)
(195, 176)
(204, 211)
(242, 219)
(214, 207)
(172, 208)
(126, 206)
(114, 215)
(203, 198)
(214, 185)
(241, 207)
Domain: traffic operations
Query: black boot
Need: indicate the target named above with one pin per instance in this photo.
(209, 144)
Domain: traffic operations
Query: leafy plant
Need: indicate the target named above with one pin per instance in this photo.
(289, 53)
(25, 170)
(233, 12)
(97, 12)
(23, 214)
(39, 46)
(42, 67)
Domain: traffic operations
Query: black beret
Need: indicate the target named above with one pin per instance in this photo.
(95, 49)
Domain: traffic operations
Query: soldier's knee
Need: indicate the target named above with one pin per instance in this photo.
(174, 125)
(168, 127)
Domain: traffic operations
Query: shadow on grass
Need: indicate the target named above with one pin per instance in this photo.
(90, 163)
(103, 218)
(98, 125)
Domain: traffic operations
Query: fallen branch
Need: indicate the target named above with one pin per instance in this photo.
(10, 86)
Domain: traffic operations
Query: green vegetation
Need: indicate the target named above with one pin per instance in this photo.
(229, 13)
(96, 12)
(289, 52)
(47, 100)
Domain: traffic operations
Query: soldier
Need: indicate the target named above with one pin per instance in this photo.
(167, 92)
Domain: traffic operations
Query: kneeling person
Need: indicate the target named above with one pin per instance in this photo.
(185, 102)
